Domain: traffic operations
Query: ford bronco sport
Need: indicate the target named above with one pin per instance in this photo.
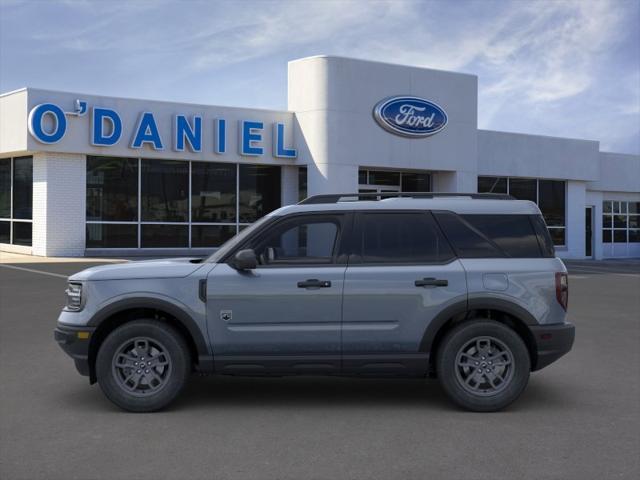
(463, 287)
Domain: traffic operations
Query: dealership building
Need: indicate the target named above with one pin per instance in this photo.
(89, 175)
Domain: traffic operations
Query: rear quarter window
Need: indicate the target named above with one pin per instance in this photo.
(489, 236)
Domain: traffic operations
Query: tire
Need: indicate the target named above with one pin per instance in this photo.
(143, 365)
(488, 347)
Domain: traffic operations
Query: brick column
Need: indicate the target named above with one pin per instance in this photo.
(59, 199)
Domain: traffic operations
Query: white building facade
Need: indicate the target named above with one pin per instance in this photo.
(88, 175)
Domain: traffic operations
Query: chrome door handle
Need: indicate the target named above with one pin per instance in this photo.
(314, 283)
(431, 282)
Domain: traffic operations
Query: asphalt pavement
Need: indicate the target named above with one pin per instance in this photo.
(578, 419)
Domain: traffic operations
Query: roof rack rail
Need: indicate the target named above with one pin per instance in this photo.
(355, 197)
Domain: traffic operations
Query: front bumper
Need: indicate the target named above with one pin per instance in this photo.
(75, 342)
(552, 342)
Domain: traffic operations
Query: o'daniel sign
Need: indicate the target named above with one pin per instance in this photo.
(410, 116)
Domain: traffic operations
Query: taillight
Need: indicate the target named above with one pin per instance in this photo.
(562, 289)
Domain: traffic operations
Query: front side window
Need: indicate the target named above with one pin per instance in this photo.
(304, 240)
(411, 238)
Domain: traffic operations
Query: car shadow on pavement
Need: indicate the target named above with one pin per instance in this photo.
(318, 392)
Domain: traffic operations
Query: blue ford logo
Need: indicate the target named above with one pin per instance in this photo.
(410, 116)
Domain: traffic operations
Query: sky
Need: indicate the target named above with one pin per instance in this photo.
(554, 67)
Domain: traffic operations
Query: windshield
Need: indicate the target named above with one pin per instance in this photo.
(230, 244)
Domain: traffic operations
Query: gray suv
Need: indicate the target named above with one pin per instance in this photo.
(463, 287)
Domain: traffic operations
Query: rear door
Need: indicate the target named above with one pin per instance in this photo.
(402, 273)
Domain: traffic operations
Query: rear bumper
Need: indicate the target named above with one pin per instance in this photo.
(552, 342)
(75, 343)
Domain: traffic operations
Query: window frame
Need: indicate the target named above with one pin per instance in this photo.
(562, 246)
(11, 219)
(355, 254)
(344, 220)
(237, 225)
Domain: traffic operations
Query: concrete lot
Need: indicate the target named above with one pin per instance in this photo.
(578, 419)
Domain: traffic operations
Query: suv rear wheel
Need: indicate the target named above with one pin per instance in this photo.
(143, 365)
(483, 365)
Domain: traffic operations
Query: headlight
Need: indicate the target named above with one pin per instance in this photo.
(74, 297)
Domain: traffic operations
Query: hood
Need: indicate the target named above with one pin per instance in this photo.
(164, 268)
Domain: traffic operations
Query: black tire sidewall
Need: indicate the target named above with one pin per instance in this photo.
(446, 360)
(176, 349)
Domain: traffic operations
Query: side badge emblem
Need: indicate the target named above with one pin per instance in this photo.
(226, 315)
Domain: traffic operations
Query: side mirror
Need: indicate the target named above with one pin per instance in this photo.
(245, 260)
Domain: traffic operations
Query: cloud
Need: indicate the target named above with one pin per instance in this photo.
(536, 61)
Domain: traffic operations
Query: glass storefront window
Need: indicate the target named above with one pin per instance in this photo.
(416, 182)
(551, 200)
(112, 235)
(523, 189)
(182, 204)
(5, 231)
(112, 189)
(213, 192)
(211, 235)
(16, 200)
(22, 187)
(620, 221)
(164, 236)
(164, 191)
(492, 185)
(260, 191)
(549, 195)
(302, 183)
(5, 188)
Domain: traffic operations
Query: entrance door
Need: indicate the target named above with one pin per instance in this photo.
(284, 315)
(588, 233)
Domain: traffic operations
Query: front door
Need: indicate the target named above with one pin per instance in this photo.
(401, 275)
(286, 314)
(588, 233)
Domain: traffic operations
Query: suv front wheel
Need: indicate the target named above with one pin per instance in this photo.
(483, 365)
(143, 365)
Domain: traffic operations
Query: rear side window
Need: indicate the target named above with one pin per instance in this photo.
(513, 234)
(468, 241)
(412, 238)
(487, 236)
(544, 238)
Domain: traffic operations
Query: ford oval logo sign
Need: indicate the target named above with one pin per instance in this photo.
(410, 116)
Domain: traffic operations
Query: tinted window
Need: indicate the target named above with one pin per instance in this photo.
(112, 189)
(416, 182)
(468, 241)
(211, 235)
(259, 191)
(165, 236)
(492, 185)
(513, 234)
(302, 240)
(523, 188)
(302, 183)
(165, 189)
(545, 235)
(213, 192)
(5, 188)
(22, 233)
(112, 235)
(551, 202)
(5, 231)
(401, 238)
(23, 193)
